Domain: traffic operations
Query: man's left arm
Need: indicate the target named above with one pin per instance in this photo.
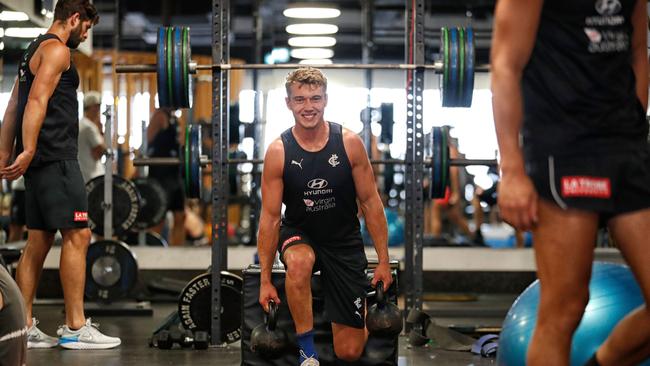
(370, 204)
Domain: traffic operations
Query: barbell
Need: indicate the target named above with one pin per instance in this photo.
(191, 160)
(174, 66)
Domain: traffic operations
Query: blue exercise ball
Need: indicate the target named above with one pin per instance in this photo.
(395, 229)
(613, 293)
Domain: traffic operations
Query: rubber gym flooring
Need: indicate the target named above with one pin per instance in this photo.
(135, 332)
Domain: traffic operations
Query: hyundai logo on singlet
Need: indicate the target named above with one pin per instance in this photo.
(317, 183)
(608, 7)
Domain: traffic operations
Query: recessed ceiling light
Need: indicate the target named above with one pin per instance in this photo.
(311, 11)
(311, 53)
(316, 61)
(16, 16)
(312, 28)
(24, 32)
(312, 41)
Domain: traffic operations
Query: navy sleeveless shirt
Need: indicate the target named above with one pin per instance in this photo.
(319, 192)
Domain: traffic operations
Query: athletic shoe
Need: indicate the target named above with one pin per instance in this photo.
(37, 339)
(309, 361)
(86, 337)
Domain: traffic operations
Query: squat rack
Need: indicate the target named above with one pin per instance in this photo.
(414, 37)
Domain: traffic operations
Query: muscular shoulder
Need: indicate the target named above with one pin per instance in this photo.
(353, 146)
(56, 53)
(274, 158)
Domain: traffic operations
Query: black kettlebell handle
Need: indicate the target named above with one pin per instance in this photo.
(272, 319)
(380, 292)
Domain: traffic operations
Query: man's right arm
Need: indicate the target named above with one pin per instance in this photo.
(269, 228)
(515, 29)
(8, 132)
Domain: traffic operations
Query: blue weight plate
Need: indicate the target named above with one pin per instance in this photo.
(453, 68)
(178, 67)
(161, 71)
(195, 162)
(461, 66)
(169, 40)
(436, 164)
(469, 67)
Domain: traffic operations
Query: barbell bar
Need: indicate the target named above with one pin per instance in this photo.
(191, 160)
(174, 66)
(205, 160)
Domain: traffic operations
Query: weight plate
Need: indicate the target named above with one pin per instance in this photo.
(169, 57)
(444, 50)
(111, 271)
(186, 159)
(195, 303)
(453, 68)
(126, 204)
(153, 203)
(178, 66)
(161, 73)
(461, 67)
(187, 55)
(437, 188)
(444, 150)
(195, 161)
(152, 239)
(469, 67)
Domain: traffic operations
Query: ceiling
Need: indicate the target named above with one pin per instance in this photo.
(140, 21)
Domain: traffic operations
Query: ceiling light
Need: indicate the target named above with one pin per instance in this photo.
(312, 53)
(24, 32)
(13, 16)
(312, 28)
(312, 41)
(311, 11)
(316, 61)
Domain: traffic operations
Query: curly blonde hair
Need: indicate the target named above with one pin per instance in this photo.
(306, 75)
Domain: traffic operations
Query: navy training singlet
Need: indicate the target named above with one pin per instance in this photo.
(319, 192)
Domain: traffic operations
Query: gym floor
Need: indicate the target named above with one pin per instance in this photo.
(136, 330)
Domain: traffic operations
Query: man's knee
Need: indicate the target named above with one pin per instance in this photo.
(78, 237)
(300, 265)
(348, 351)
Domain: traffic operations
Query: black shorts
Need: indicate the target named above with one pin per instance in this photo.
(55, 197)
(175, 192)
(18, 207)
(343, 277)
(607, 184)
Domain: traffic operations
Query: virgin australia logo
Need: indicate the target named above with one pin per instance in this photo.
(317, 183)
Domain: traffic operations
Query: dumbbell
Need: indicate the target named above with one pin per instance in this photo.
(166, 339)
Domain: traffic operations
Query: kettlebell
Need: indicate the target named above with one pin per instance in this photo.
(268, 341)
(384, 319)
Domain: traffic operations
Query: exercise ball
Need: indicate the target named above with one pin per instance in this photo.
(395, 229)
(613, 292)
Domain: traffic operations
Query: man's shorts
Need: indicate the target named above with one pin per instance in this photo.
(175, 192)
(55, 197)
(343, 277)
(17, 214)
(608, 184)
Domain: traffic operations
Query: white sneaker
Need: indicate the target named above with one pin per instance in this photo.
(86, 337)
(37, 339)
(309, 361)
